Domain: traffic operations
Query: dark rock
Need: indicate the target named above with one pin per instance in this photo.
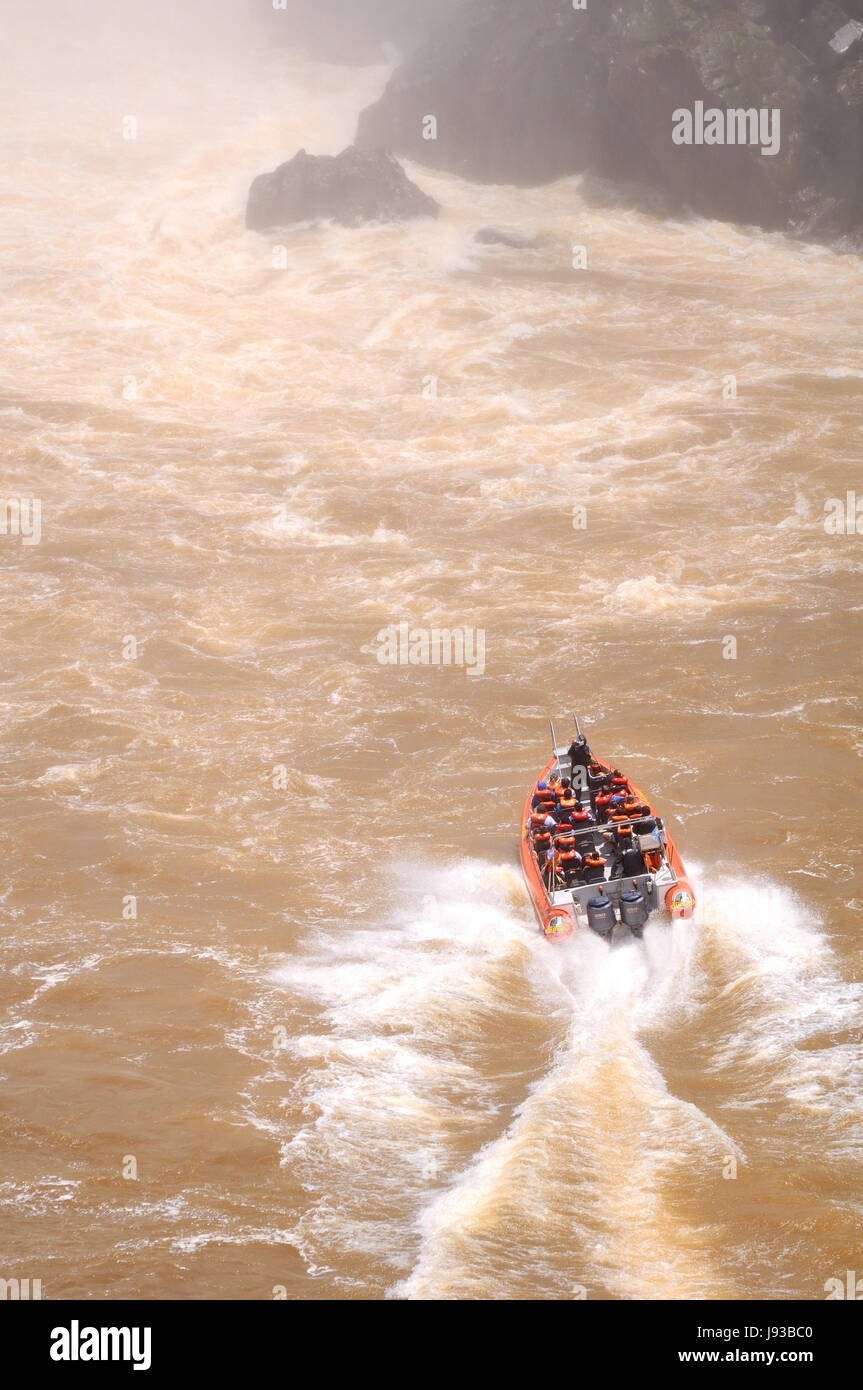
(503, 236)
(352, 187)
(527, 93)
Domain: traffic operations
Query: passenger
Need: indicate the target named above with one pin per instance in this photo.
(543, 793)
(628, 860)
(567, 803)
(569, 864)
(542, 842)
(594, 867)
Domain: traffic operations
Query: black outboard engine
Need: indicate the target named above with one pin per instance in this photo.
(634, 910)
(601, 916)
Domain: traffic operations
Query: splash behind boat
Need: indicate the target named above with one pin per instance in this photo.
(594, 852)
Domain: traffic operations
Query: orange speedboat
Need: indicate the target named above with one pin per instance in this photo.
(594, 852)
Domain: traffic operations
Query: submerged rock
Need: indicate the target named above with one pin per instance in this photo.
(526, 94)
(505, 236)
(352, 187)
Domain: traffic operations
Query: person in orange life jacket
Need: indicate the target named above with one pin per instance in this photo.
(542, 843)
(563, 846)
(569, 863)
(594, 867)
(544, 795)
(540, 824)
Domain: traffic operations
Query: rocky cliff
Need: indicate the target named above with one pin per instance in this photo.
(525, 93)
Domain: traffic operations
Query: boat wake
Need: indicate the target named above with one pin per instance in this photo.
(486, 1114)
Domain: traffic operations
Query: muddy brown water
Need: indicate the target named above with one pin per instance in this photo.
(274, 1011)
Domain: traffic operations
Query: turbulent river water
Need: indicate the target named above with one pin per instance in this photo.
(274, 1012)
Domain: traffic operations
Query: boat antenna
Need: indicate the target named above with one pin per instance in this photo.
(554, 746)
(577, 725)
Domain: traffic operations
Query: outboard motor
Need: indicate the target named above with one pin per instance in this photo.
(601, 916)
(634, 911)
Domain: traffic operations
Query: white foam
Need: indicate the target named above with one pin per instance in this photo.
(418, 1151)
